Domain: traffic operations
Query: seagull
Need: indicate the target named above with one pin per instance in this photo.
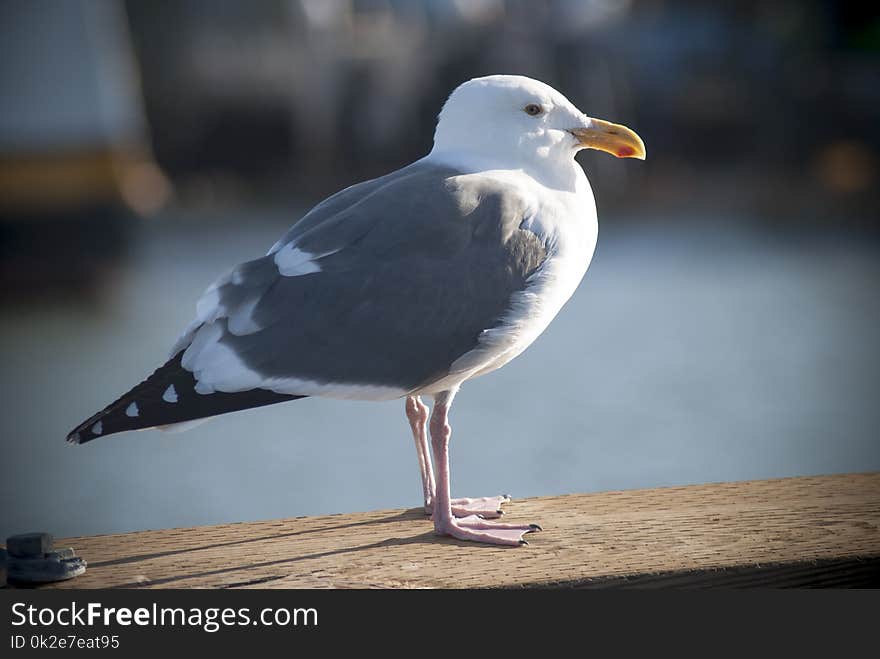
(404, 286)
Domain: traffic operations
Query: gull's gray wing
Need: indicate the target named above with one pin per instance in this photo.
(374, 293)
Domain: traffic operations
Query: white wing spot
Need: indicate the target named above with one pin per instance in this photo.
(293, 262)
(170, 395)
(98, 428)
(132, 410)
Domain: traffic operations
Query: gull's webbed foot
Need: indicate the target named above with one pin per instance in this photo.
(485, 507)
(476, 529)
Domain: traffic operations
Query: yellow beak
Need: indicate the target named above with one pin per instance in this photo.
(611, 138)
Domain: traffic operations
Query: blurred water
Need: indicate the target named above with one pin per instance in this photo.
(691, 353)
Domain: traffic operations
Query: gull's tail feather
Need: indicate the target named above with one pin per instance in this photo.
(165, 398)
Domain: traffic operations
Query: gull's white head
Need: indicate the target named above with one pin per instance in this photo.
(509, 121)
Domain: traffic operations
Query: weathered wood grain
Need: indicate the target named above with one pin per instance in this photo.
(796, 531)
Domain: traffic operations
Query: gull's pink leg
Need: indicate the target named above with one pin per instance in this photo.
(417, 414)
(486, 507)
(445, 523)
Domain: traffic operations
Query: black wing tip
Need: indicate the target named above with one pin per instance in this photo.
(153, 410)
(80, 435)
(91, 428)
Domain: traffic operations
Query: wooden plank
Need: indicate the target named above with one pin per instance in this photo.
(858, 572)
(797, 531)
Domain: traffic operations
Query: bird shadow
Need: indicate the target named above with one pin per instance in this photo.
(412, 514)
(390, 542)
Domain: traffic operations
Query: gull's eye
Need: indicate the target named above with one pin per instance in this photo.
(533, 110)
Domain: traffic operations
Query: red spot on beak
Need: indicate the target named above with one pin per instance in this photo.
(625, 152)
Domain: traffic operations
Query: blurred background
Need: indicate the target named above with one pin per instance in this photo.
(727, 328)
